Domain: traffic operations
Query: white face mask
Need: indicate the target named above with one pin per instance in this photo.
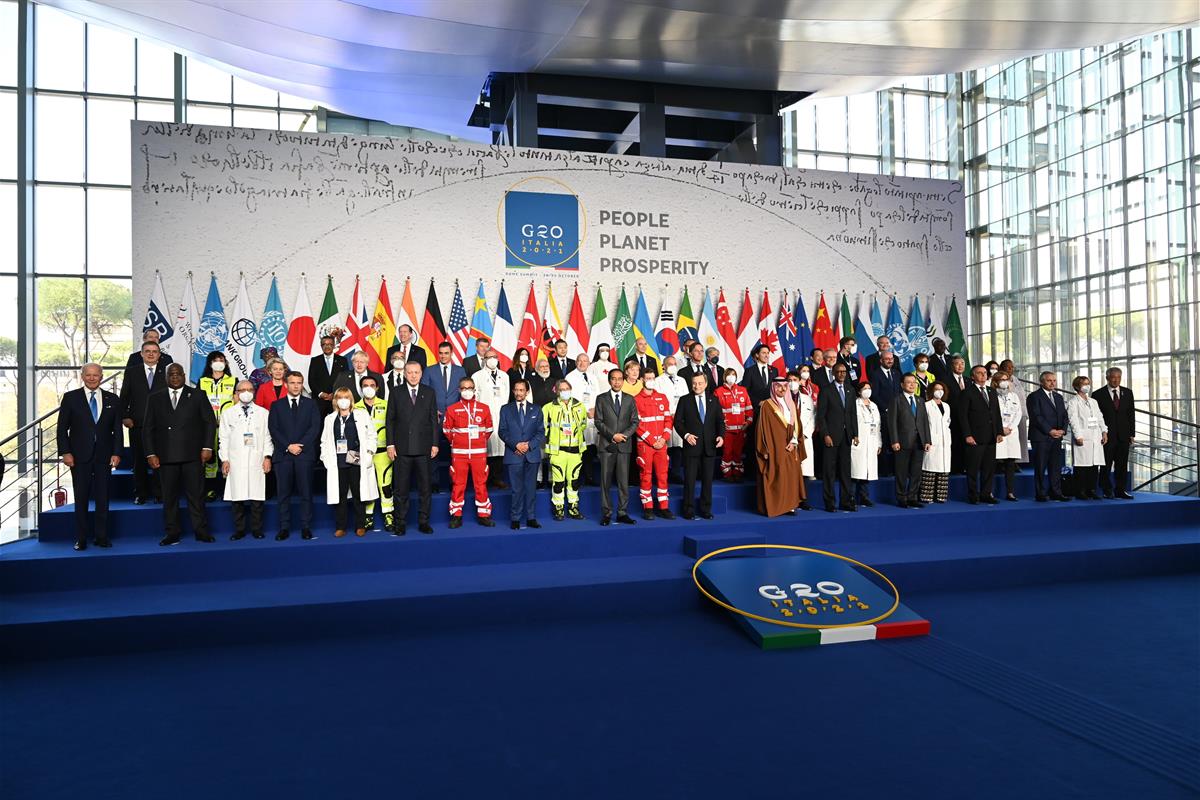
(218, 366)
(804, 375)
(1084, 389)
(343, 403)
(922, 367)
(671, 370)
(397, 364)
(1004, 385)
(794, 386)
(991, 372)
(603, 355)
(368, 392)
(938, 394)
(649, 384)
(467, 394)
(523, 358)
(492, 363)
(865, 393)
(730, 380)
(853, 349)
(565, 396)
(246, 397)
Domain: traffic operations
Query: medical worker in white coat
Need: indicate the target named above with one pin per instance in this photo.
(348, 444)
(244, 448)
(864, 456)
(1012, 411)
(1088, 434)
(491, 389)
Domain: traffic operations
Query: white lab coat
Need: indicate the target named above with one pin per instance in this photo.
(864, 456)
(1023, 426)
(937, 457)
(1012, 410)
(599, 371)
(808, 417)
(246, 479)
(1086, 423)
(493, 395)
(674, 387)
(367, 444)
(584, 389)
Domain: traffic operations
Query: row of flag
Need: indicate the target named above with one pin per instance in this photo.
(190, 334)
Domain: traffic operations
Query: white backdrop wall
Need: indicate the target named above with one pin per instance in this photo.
(231, 200)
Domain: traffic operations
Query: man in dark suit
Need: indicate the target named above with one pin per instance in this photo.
(1116, 406)
(838, 420)
(982, 430)
(443, 377)
(179, 433)
(561, 364)
(757, 382)
(138, 383)
(956, 384)
(644, 358)
(1047, 426)
(908, 438)
(295, 426)
(701, 425)
(822, 376)
(616, 420)
(882, 345)
(886, 382)
(323, 372)
(856, 369)
(472, 364)
(939, 362)
(149, 335)
(407, 350)
(89, 438)
(353, 379)
(523, 433)
(412, 423)
(696, 366)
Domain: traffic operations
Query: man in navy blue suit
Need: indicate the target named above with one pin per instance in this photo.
(523, 436)
(295, 426)
(89, 435)
(1047, 426)
(443, 378)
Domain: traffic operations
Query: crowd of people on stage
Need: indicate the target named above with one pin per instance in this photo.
(556, 421)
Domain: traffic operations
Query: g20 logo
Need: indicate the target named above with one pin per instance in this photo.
(541, 229)
(831, 588)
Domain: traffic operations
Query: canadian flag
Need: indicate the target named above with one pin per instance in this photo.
(767, 333)
(531, 326)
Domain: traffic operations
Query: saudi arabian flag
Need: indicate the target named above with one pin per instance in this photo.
(601, 330)
(328, 320)
(956, 340)
(623, 335)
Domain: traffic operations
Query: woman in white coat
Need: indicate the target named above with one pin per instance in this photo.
(244, 449)
(602, 363)
(864, 456)
(1089, 434)
(1008, 452)
(808, 416)
(935, 468)
(492, 389)
(348, 444)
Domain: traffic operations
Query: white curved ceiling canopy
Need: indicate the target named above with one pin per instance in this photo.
(422, 62)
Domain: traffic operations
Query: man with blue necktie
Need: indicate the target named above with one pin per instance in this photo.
(837, 422)
(908, 438)
(443, 377)
(89, 435)
(699, 422)
(1047, 426)
(521, 430)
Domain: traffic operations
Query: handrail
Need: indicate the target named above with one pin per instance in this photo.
(29, 425)
(1146, 483)
(1135, 408)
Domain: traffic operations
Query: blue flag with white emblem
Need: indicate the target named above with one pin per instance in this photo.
(876, 319)
(213, 333)
(918, 331)
(273, 329)
(897, 332)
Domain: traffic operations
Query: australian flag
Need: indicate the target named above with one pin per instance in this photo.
(789, 342)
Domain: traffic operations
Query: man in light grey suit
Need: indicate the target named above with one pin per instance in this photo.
(616, 420)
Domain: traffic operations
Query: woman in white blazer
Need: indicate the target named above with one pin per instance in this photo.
(1089, 434)
(1008, 452)
(864, 456)
(348, 444)
(935, 468)
(802, 395)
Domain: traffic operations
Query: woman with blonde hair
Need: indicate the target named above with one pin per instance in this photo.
(1008, 452)
(348, 444)
(275, 388)
(1089, 434)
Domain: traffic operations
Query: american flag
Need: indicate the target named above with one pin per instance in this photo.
(460, 330)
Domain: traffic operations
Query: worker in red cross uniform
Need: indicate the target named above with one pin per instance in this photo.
(738, 413)
(467, 425)
(655, 423)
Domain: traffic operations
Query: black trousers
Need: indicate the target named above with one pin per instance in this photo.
(255, 515)
(835, 467)
(1009, 467)
(981, 470)
(1047, 467)
(1116, 460)
(146, 483)
(1085, 481)
(908, 462)
(186, 477)
(89, 481)
(293, 476)
(403, 470)
(349, 502)
(702, 467)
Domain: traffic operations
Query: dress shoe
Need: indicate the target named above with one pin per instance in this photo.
(704, 515)
(558, 515)
(207, 538)
(258, 535)
(360, 532)
(830, 509)
(574, 513)
(1124, 496)
(80, 546)
(1108, 495)
(991, 501)
(647, 515)
(604, 520)
(103, 543)
(848, 508)
(625, 519)
(1010, 497)
(1062, 498)
(455, 522)
(279, 537)
(307, 535)
(1041, 498)
(167, 541)
(425, 527)
(866, 501)
(339, 533)
(238, 536)
(487, 522)
(139, 501)
(398, 530)
(902, 504)
(804, 506)
(514, 525)
(665, 513)
(1093, 496)
(687, 516)
(532, 523)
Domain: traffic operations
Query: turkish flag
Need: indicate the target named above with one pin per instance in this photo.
(530, 336)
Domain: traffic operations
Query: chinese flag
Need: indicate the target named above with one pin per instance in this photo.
(824, 336)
